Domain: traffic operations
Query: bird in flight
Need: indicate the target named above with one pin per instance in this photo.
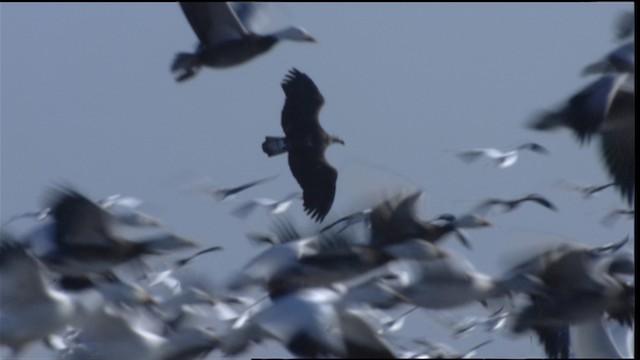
(607, 108)
(306, 142)
(226, 36)
(501, 159)
(510, 205)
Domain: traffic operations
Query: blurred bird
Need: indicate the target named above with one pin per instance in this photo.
(582, 284)
(616, 214)
(82, 238)
(311, 322)
(220, 194)
(586, 191)
(510, 205)
(306, 142)
(275, 207)
(443, 282)
(124, 208)
(501, 159)
(113, 334)
(607, 108)
(396, 219)
(226, 36)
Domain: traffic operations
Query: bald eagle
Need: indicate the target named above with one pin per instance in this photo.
(306, 141)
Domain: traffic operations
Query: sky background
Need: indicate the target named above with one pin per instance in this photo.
(87, 99)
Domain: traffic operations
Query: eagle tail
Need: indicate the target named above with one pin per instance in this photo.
(274, 146)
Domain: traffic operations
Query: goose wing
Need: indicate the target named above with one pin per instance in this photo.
(213, 22)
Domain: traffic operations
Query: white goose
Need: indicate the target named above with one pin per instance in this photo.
(500, 159)
(226, 37)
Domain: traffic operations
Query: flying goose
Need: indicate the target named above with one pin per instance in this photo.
(306, 142)
(501, 159)
(587, 191)
(115, 334)
(396, 220)
(221, 194)
(226, 38)
(581, 284)
(274, 206)
(82, 237)
(510, 205)
(310, 322)
(607, 108)
(438, 280)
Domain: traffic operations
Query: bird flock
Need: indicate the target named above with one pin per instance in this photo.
(99, 279)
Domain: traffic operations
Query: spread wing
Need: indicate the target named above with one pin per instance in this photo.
(302, 105)
(213, 22)
(317, 178)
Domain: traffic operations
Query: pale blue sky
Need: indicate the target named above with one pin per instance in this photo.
(88, 99)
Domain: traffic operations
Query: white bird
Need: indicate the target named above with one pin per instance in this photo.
(115, 334)
(427, 276)
(310, 322)
(500, 159)
(226, 36)
(510, 205)
(274, 207)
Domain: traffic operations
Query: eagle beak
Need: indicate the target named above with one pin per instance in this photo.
(337, 140)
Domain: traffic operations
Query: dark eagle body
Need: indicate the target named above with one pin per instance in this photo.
(306, 142)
